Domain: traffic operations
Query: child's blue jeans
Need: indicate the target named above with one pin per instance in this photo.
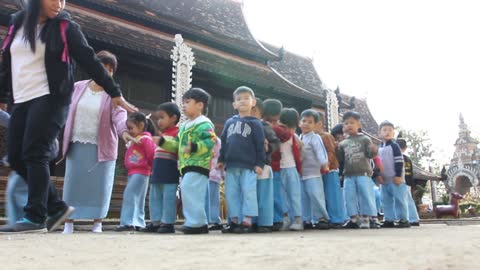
(212, 203)
(16, 198)
(292, 191)
(163, 203)
(313, 200)
(241, 193)
(394, 197)
(278, 203)
(334, 198)
(412, 208)
(194, 188)
(133, 205)
(359, 196)
(265, 202)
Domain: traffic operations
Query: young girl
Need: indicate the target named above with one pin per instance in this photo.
(36, 74)
(291, 167)
(165, 175)
(138, 161)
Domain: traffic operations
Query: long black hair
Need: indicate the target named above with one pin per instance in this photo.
(30, 22)
(139, 118)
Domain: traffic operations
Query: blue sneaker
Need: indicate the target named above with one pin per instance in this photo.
(24, 226)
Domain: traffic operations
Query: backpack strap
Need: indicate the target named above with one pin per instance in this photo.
(8, 39)
(63, 32)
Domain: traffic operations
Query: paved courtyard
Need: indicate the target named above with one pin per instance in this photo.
(432, 247)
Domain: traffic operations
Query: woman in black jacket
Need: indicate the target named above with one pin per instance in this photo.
(36, 76)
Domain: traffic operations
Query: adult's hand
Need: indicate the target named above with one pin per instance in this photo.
(121, 102)
(3, 106)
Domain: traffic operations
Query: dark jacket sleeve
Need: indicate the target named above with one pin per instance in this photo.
(223, 149)
(398, 159)
(5, 77)
(259, 139)
(273, 140)
(85, 56)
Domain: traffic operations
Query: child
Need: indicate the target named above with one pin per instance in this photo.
(314, 161)
(331, 178)
(290, 167)
(138, 162)
(194, 145)
(271, 114)
(413, 218)
(165, 175)
(356, 151)
(243, 156)
(212, 204)
(394, 189)
(265, 188)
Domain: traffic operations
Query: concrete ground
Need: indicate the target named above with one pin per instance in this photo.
(430, 246)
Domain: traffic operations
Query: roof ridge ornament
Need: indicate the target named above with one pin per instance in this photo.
(183, 60)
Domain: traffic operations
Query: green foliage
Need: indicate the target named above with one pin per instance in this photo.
(464, 207)
(419, 146)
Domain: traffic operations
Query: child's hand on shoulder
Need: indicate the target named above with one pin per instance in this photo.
(398, 180)
(128, 138)
(220, 166)
(258, 170)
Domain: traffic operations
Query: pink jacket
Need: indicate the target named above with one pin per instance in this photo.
(139, 156)
(113, 122)
(216, 175)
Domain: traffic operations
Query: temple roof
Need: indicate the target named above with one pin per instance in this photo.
(213, 22)
(369, 124)
(297, 69)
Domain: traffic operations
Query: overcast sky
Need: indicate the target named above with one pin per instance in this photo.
(417, 62)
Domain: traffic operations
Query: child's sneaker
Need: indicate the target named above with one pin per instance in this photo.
(229, 228)
(403, 224)
(166, 228)
(374, 224)
(150, 228)
(192, 230)
(286, 224)
(416, 223)
(296, 227)
(307, 226)
(277, 226)
(215, 227)
(351, 225)
(388, 224)
(364, 223)
(264, 229)
(125, 228)
(322, 225)
(243, 228)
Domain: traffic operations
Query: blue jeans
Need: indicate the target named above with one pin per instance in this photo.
(265, 202)
(412, 209)
(378, 198)
(163, 203)
(278, 203)
(313, 200)
(212, 203)
(334, 198)
(194, 188)
(359, 196)
(133, 205)
(292, 191)
(241, 193)
(16, 198)
(394, 197)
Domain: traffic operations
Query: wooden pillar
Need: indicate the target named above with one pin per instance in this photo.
(433, 189)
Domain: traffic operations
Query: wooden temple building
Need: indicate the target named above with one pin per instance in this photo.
(227, 55)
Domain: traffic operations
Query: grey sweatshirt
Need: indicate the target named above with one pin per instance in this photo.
(356, 154)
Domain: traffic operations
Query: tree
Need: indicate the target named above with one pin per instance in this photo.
(419, 146)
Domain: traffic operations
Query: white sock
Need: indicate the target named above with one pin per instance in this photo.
(68, 228)
(97, 227)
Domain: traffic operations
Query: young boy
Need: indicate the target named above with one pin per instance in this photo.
(265, 188)
(314, 161)
(165, 174)
(331, 179)
(243, 156)
(194, 145)
(413, 218)
(394, 189)
(290, 168)
(271, 115)
(356, 151)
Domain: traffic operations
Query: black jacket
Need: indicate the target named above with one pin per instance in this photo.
(59, 73)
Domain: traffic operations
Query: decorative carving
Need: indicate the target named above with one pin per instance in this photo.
(183, 62)
(332, 109)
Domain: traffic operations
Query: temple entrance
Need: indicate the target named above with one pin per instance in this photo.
(463, 185)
